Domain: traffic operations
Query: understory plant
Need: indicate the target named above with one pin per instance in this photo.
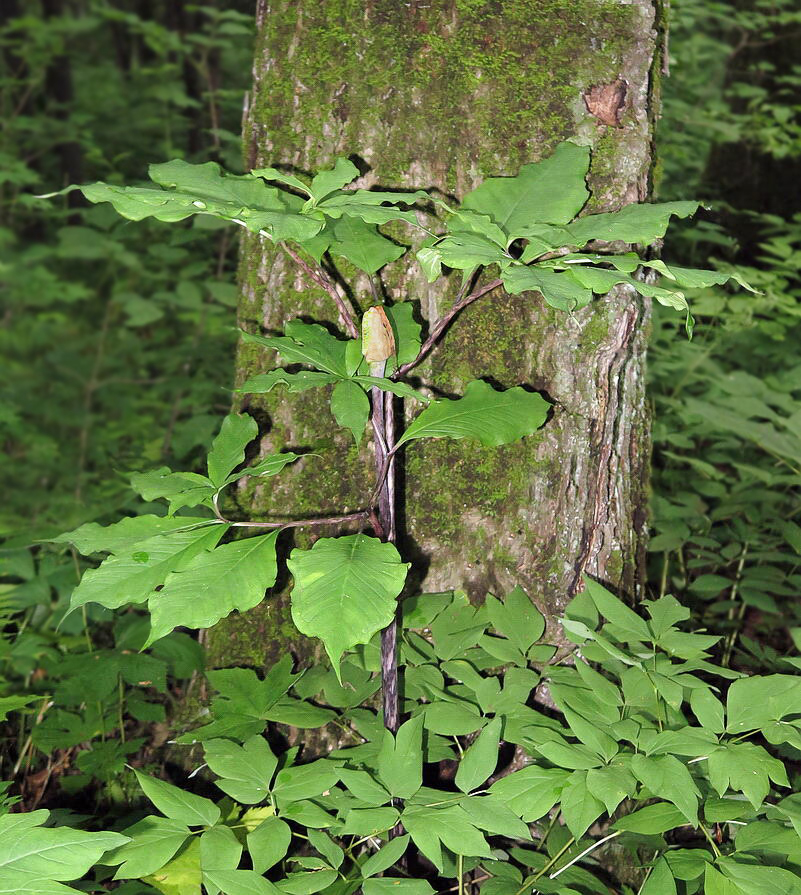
(494, 760)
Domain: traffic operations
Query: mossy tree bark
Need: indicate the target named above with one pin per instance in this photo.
(441, 95)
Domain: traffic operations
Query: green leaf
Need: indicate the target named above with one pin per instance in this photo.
(350, 407)
(269, 843)
(132, 575)
(228, 448)
(206, 189)
(611, 784)
(368, 205)
(466, 251)
(754, 701)
(288, 179)
(430, 828)
(407, 332)
(369, 821)
(401, 389)
(479, 761)
(182, 875)
(660, 881)
(219, 849)
(387, 856)
(361, 785)
(332, 853)
(532, 791)
(307, 883)
(634, 223)
(628, 625)
(117, 538)
(666, 777)
(270, 465)
(757, 879)
(400, 885)
(569, 755)
(746, 768)
(652, 819)
(343, 172)
(246, 770)
(558, 289)
(551, 191)
(362, 244)
(153, 842)
(239, 882)
(487, 415)
(488, 812)
(708, 709)
(400, 759)
(301, 381)
(182, 489)
(185, 807)
(345, 590)
(580, 807)
(32, 856)
(665, 612)
(452, 719)
(306, 781)
(307, 343)
(213, 584)
(517, 618)
(717, 884)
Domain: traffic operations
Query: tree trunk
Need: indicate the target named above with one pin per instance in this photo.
(441, 95)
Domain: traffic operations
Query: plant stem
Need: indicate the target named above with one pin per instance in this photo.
(442, 324)
(460, 873)
(319, 276)
(383, 422)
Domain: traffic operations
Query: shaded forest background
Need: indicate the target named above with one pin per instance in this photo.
(116, 340)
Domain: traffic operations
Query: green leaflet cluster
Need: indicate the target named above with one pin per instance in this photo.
(345, 589)
(527, 225)
(642, 744)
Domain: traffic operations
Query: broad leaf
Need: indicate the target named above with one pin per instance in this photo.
(480, 759)
(517, 618)
(362, 244)
(551, 191)
(350, 407)
(634, 223)
(532, 791)
(118, 537)
(132, 576)
(32, 856)
(245, 771)
(268, 843)
(301, 381)
(154, 840)
(752, 702)
(387, 856)
(228, 448)
(343, 172)
(579, 806)
(484, 414)
(213, 584)
(400, 760)
(307, 343)
(206, 189)
(239, 882)
(345, 590)
(559, 290)
(177, 804)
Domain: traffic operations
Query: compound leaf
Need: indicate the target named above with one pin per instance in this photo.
(213, 584)
(132, 576)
